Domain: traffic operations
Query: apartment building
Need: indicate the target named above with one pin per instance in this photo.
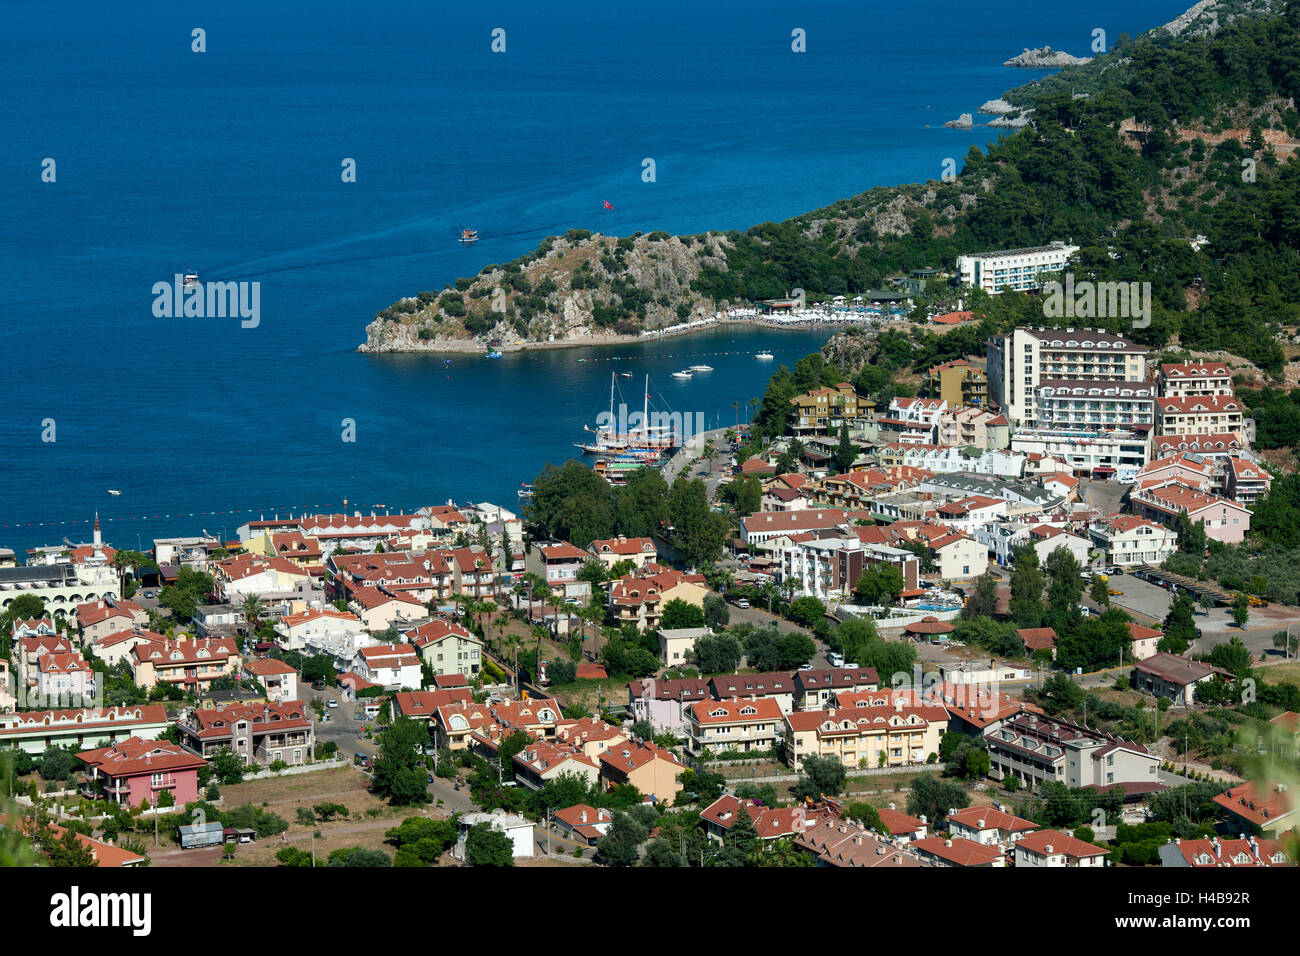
(1090, 405)
(1038, 749)
(1130, 541)
(959, 383)
(875, 732)
(825, 409)
(1194, 378)
(260, 734)
(188, 664)
(1022, 359)
(971, 426)
(1103, 451)
(739, 724)
(1224, 519)
(1199, 415)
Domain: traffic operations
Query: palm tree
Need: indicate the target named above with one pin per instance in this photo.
(252, 608)
(119, 562)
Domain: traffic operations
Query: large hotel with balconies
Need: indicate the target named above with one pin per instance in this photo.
(1023, 270)
(1022, 360)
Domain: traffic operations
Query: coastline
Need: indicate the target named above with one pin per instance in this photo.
(597, 341)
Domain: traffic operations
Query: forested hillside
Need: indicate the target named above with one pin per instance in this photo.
(1163, 139)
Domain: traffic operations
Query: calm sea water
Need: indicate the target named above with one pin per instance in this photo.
(228, 162)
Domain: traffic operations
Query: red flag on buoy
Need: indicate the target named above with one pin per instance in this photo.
(608, 204)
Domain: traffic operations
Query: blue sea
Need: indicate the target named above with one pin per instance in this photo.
(228, 162)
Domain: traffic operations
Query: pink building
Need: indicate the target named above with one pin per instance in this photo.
(136, 770)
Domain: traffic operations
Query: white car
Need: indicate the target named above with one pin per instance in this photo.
(742, 603)
(331, 703)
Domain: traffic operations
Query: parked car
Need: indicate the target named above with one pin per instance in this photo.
(742, 603)
(331, 703)
(148, 594)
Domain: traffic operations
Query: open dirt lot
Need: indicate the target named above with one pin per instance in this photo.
(367, 820)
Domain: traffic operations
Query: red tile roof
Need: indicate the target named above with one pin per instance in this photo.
(135, 756)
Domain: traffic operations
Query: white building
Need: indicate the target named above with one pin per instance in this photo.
(392, 665)
(519, 830)
(317, 626)
(1129, 541)
(1022, 359)
(1085, 450)
(1020, 269)
(1092, 405)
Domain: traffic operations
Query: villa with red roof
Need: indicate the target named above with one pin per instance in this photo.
(640, 600)
(1252, 806)
(543, 761)
(423, 704)
(648, 767)
(62, 678)
(584, 824)
(98, 619)
(189, 664)
(447, 648)
(738, 724)
(1217, 852)
(1244, 481)
(279, 679)
(379, 610)
(1225, 520)
(135, 770)
(989, 826)
(389, 665)
(1056, 849)
(1130, 540)
(903, 827)
(259, 733)
(772, 823)
(959, 851)
(316, 627)
(104, 854)
(640, 551)
(558, 564)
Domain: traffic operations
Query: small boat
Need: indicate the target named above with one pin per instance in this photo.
(625, 374)
(764, 356)
(468, 236)
(525, 490)
(191, 278)
(701, 368)
(114, 491)
(682, 375)
(494, 353)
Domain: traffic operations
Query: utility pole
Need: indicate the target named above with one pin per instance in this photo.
(549, 811)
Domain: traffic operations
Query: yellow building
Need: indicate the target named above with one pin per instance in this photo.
(824, 409)
(303, 551)
(959, 383)
(869, 729)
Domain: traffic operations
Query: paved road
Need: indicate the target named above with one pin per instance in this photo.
(1149, 603)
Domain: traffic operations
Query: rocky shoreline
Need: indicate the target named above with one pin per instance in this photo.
(1045, 58)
